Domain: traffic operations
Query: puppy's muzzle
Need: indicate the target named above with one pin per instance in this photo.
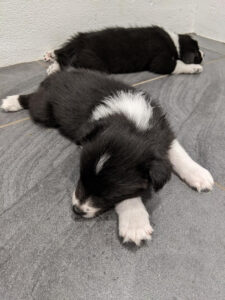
(78, 211)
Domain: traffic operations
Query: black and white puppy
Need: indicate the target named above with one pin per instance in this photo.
(128, 146)
(124, 50)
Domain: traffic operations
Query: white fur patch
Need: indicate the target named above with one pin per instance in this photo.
(175, 38)
(86, 207)
(131, 105)
(11, 103)
(195, 175)
(53, 68)
(134, 224)
(101, 162)
(202, 53)
(181, 67)
(49, 56)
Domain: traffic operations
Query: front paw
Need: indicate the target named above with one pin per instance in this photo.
(200, 179)
(194, 69)
(135, 227)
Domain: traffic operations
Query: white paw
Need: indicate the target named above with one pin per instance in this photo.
(134, 226)
(195, 68)
(199, 178)
(53, 68)
(49, 56)
(11, 103)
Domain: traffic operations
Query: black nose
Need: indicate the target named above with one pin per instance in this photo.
(78, 211)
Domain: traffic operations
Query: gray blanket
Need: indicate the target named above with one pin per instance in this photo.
(46, 253)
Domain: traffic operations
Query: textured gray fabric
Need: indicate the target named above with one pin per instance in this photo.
(46, 253)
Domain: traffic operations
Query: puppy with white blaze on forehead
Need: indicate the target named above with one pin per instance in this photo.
(127, 144)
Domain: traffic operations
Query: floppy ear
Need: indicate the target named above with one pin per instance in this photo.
(159, 173)
(88, 131)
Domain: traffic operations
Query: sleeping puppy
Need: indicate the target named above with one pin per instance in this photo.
(127, 144)
(124, 50)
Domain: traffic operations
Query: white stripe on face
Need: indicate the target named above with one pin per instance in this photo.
(103, 159)
(86, 207)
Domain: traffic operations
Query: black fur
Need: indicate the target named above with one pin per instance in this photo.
(189, 50)
(138, 158)
(124, 50)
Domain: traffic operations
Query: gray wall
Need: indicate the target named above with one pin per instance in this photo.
(29, 28)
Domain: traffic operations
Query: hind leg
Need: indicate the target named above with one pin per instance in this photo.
(15, 103)
(40, 109)
(53, 68)
(50, 56)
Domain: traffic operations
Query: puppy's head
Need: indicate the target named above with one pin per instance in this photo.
(112, 170)
(189, 50)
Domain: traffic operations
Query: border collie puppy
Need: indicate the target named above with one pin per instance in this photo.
(124, 50)
(127, 144)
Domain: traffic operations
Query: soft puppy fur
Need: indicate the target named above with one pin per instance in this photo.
(124, 50)
(127, 144)
(117, 127)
